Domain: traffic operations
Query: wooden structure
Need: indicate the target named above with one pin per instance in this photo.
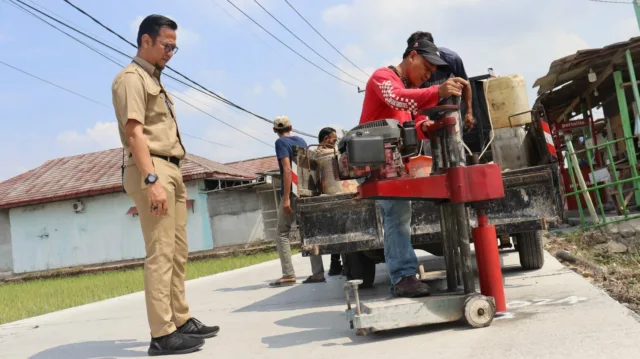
(575, 85)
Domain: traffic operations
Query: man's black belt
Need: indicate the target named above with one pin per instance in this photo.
(174, 160)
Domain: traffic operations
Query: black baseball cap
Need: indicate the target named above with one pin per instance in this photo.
(429, 51)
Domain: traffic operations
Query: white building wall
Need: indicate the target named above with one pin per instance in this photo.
(52, 235)
(6, 259)
(235, 217)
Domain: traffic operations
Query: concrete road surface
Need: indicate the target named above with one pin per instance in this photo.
(553, 313)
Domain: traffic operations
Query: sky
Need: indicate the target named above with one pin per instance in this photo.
(222, 49)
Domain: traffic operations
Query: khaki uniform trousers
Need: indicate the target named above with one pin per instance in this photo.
(165, 239)
(285, 223)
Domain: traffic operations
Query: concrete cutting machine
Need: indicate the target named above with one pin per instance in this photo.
(381, 155)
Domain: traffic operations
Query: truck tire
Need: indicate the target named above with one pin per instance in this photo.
(359, 266)
(530, 250)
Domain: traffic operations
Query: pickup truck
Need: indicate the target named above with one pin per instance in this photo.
(342, 223)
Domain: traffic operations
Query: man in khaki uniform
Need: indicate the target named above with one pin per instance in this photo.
(153, 179)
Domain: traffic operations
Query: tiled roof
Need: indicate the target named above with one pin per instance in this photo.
(256, 165)
(93, 174)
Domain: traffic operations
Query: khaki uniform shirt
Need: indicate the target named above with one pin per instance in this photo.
(139, 95)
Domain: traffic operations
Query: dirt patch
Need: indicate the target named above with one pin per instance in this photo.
(601, 259)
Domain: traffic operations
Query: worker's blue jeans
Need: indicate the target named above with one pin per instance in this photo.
(398, 252)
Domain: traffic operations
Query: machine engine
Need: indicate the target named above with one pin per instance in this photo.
(377, 148)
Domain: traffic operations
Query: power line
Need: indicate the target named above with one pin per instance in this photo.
(71, 36)
(121, 65)
(204, 140)
(65, 19)
(327, 41)
(210, 93)
(288, 60)
(51, 83)
(92, 100)
(215, 118)
(246, 28)
(117, 63)
(304, 43)
(288, 47)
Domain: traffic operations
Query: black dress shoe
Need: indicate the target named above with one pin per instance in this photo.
(194, 328)
(174, 343)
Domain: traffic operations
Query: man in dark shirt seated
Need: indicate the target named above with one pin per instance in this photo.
(455, 69)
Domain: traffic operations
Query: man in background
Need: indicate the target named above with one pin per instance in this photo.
(286, 212)
(327, 139)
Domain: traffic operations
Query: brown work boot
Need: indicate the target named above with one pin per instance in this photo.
(411, 287)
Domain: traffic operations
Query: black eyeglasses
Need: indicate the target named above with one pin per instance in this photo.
(169, 48)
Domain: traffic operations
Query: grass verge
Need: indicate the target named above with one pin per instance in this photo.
(604, 262)
(40, 296)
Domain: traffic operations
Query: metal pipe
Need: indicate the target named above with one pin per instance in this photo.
(617, 180)
(581, 182)
(575, 188)
(626, 180)
(605, 144)
(357, 297)
(594, 182)
(448, 240)
(456, 248)
(634, 82)
(446, 156)
(347, 294)
(456, 253)
(436, 152)
(453, 147)
(462, 217)
(626, 126)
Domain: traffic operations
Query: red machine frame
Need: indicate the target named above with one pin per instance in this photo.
(468, 185)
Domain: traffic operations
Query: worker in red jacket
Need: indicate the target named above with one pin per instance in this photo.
(393, 93)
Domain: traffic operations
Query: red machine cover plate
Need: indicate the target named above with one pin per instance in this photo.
(460, 185)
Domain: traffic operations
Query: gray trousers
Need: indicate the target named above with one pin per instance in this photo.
(284, 247)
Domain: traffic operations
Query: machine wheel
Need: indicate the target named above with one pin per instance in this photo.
(359, 266)
(479, 311)
(530, 250)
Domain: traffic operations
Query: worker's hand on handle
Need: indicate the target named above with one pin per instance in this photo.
(286, 205)
(424, 126)
(452, 87)
(157, 199)
(469, 122)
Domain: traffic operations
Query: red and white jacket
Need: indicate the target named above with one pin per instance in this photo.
(387, 98)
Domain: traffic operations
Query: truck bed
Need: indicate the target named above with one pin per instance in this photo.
(343, 224)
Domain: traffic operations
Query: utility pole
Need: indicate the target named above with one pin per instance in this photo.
(636, 6)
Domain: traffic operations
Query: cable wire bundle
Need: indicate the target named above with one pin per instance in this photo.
(25, 7)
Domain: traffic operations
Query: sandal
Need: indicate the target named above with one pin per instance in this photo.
(280, 283)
